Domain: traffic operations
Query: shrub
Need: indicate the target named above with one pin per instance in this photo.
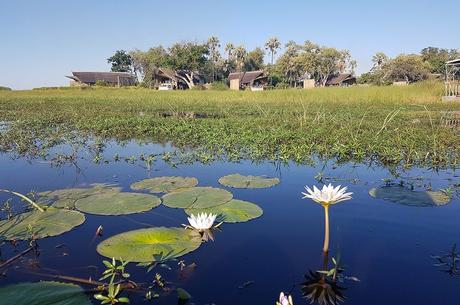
(101, 83)
(219, 86)
(4, 88)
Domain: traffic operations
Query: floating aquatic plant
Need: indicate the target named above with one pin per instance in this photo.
(285, 299)
(232, 211)
(25, 198)
(118, 203)
(405, 196)
(44, 293)
(164, 184)
(327, 196)
(144, 244)
(197, 198)
(202, 221)
(249, 182)
(51, 222)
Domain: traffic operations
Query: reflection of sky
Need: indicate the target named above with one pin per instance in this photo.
(385, 245)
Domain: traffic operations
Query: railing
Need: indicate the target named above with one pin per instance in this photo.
(452, 88)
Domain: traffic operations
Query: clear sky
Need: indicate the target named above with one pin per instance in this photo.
(42, 41)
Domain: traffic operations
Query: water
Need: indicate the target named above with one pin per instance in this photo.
(386, 246)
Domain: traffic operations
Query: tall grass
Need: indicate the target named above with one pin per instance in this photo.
(392, 125)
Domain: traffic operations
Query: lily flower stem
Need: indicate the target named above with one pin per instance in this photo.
(34, 204)
(326, 228)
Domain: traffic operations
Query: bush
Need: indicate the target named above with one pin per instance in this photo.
(219, 86)
(101, 83)
(5, 88)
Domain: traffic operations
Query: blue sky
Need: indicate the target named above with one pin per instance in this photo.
(41, 41)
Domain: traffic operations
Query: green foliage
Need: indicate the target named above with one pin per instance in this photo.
(219, 86)
(121, 61)
(254, 60)
(405, 196)
(101, 83)
(249, 182)
(232, 211)
(164, 184)
(436, 58)
(145, 245)
(43, 293)
(51, 222)
(197, 198)
(117, 203)
(5, 88)
(409, 68)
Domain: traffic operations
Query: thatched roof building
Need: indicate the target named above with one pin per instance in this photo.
(253, 79)
(110, 78)
(175, 78)
(341, 79)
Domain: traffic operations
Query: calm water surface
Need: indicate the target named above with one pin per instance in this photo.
(386, 246)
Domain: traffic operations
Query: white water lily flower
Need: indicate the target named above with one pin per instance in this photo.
(285, 300)
(202, 221)
(328, 195)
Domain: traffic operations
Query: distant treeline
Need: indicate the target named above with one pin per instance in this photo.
(295, 62)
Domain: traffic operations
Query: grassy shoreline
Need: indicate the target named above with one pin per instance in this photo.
(390, 125)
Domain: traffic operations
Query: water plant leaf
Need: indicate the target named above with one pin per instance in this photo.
(164, 184)
(197, 198)
(232, 211)
(66, 198)
(52, 222)
(44, 293)
(145, 245)
(118, 203)
(405, 196)
(248, 182)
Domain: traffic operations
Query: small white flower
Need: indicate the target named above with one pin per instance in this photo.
(328, 195)
(285, 300)
(202, 221)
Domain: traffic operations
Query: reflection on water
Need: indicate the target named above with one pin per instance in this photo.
(382, 241)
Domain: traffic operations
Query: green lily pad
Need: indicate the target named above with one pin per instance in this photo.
(66, 198)
(232, 211)
(43, 293)
(145, 244)
(197, 198)
(405, 196)
(117, 203)
(52, 222)
(248, 182)
(164, 184)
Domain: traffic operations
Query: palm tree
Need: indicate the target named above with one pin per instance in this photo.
(240, 55)
(273, 44)
(229, 48)
(214, 45)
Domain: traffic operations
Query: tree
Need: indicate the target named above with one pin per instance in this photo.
(213, 46)
(409, 68)
(229, 48)
(289, 65)
(120, 61)
(254, 60)
(240, 56)
(273, 44)
(437, 58)
(187, 59)
(146, 64)
(378, 60)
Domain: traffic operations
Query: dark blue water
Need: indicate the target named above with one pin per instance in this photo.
(385, 245)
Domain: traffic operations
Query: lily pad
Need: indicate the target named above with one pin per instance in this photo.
(66, 198)
(405, 196)
(164, 184)
(117, 203)
(52, 222)
(248, 182)
(232, 211)
(197, 198)
(44, 293)
(145, 244)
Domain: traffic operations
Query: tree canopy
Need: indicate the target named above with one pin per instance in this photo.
(120, 61)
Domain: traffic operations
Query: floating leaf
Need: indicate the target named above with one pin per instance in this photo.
(232, 211)
(43, 293)
(197, 198)
(117, 203)
(52, 222)
(66, 198)
(405, 196)
(145, 245)
(164, 184)
(182, 294)
(248, 182)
